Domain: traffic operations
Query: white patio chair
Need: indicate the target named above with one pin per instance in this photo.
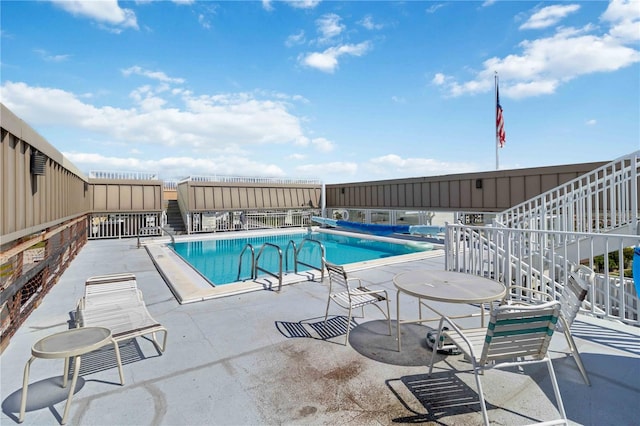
(571, 298)
(350, 298)
(516, 335)
(115, 302)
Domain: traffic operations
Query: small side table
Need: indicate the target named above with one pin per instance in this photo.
(68, 344)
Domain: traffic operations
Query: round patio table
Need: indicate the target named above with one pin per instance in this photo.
(445, 286)
(67, 344)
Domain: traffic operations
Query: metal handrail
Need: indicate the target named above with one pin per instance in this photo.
(322, 253)
(295, 257)
(258, 268)
(253, 261)
(150, 228)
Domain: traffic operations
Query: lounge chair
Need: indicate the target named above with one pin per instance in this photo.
(348, 297)
(115, 302)
(571, 298)
(517, 335)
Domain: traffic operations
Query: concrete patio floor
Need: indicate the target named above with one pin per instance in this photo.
(265, 358)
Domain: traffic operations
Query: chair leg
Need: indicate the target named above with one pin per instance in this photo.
(556, 390)
(477, 371)
(435, 347)
(346, 341)
(326, 312)
(388, 317)
(576, 354)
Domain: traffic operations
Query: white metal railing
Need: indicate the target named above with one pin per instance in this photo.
(120, 225)
(103, 174)
(599, 201)
(384, 216)
(170, 184)
(248, 179)
(243, 220)
(524, 257)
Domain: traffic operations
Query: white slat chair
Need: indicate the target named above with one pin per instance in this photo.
(344, 295)
(115, 302)
(516, 335)
(571, 298)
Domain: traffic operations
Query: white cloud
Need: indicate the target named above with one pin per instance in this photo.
(624, 15)
(329, 27)
(546, 63)
(434, 8)
(549, 16)
(154, 75)
(369, 24)
(296, 157)
(303, 4)
(439, 79)
(104, 11)
(591, 122)
(327, 61)
(177, 166)
(323, 145)
(51, 58)
(398, 99)
(326, 169)
(393, 165)
(295, 39)
(208, 123)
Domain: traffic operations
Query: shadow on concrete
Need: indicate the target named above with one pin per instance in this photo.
(42, 394)
(434, 397)
(372, 340)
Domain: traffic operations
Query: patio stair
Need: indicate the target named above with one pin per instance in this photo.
(604, 201)
(537, 242)
(175, 224)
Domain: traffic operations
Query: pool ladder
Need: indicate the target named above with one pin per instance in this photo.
(296, 252)
(255, 260)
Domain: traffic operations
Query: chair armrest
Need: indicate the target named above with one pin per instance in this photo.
(377, 293)
(458, 331)
(355, 279)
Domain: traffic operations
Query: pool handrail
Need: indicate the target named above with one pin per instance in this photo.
(295, 257)
(253, 262)
(258, 268)
(322, 256)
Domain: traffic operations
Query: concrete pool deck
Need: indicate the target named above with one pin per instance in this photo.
(257, 358)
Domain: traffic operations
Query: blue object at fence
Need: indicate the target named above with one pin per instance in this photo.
(636, 269)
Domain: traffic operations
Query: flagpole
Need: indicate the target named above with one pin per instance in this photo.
(497, 142)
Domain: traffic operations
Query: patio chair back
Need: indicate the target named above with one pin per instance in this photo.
(573, 294)
(520, 331)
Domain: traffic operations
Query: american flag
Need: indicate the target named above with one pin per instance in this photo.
(500, 134)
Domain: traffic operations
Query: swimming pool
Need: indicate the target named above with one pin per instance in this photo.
(218, 259)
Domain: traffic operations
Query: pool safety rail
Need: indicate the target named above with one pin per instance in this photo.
(255, 266)
(258, 268)
(153, 231)
(296, 253)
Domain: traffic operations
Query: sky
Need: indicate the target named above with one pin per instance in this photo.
(328, 90)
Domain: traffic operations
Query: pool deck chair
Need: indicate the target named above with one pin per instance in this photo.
(571, 298)
(115, 302)
(348, 297)
(517, 335)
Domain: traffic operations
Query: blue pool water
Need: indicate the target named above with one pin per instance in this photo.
(218, 260)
